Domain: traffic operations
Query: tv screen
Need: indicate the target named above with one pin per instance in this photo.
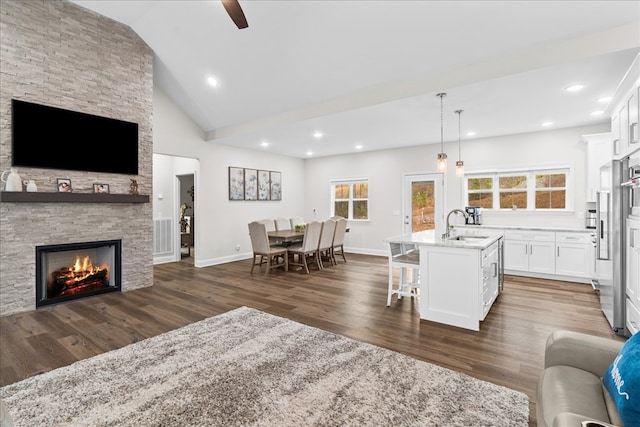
(54, 138)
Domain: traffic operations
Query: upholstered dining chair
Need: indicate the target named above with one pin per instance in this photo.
(283, 224)
(338, 240)
(308, 247)
(275, 256)
(296, 220)
(327, 233)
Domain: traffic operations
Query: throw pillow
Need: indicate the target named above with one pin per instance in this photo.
(622, 381)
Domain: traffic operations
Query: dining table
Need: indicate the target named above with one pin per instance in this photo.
(287, 237)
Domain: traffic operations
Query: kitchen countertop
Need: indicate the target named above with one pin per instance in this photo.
(428, 238)
(522, 227)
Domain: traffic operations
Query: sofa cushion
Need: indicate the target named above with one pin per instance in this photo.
(569, 389)
(622, 380)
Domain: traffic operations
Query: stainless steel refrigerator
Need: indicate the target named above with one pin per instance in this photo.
(612, 206)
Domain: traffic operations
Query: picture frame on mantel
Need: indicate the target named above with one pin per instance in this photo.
(64, 185)
(101, 188)
(236, 183)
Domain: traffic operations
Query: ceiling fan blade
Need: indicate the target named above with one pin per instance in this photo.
(235, 12)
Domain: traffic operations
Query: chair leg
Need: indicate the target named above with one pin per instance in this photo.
(318, 256)
(253, 263)
(390, 290)
(304, 261)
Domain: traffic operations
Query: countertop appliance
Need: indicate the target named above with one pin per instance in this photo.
(590, 219)
(474, 215)
(612, 207)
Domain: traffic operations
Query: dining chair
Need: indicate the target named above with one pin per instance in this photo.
(276, 256)
(268, 223)
(405, 259)
(327, 233)
(283, 224)
(296, 220)
(308, 247)
(338, 240)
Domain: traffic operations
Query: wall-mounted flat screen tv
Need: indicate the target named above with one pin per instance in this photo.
(54, 138)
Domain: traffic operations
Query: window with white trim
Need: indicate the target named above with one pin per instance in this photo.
(350, 199)
(533, 190)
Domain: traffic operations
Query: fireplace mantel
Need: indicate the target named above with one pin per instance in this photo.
(43, 197)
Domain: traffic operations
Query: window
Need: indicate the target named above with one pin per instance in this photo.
(480, 192)
(536, 189)
(350, 199)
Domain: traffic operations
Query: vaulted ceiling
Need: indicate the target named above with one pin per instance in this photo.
(366, 72)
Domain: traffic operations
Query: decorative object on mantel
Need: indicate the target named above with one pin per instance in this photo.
(192, 192)
(101, 188)
(260, 370)
(64, 185)
(31, 186)
(13, 182)
(442, 156)
(254, 184)
(133, 188)
(459, 163)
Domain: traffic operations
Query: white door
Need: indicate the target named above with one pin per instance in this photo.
(422, 203)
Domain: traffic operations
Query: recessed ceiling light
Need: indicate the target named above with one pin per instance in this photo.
(309, 153)
(358, 147)
(574, 88)
(604, 100)
(597, 113)
(317, 134)
(547, 124)
(471, 133)
(212, 81)
(264, 144)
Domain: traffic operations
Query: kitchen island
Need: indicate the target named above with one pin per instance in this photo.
(460, 276)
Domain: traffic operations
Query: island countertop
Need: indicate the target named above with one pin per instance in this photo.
(468, 239)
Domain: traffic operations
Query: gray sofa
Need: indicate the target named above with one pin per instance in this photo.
(570, 390)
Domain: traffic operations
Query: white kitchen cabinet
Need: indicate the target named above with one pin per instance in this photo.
(599, 151)
(633, 261)
(458, 286)
(632, 110)
(530, 251)
(574, 254)
(623, 110)
(615, 135)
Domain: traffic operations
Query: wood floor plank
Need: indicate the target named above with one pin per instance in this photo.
(347, 299)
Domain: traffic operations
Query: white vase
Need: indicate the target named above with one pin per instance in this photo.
(31, 186)
(13, 182)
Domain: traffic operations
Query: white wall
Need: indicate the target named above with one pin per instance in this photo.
(385, 170)
(220, 224)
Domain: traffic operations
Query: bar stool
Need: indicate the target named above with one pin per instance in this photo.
(406, 257)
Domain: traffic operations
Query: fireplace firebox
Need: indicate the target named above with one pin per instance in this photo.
(77, 270)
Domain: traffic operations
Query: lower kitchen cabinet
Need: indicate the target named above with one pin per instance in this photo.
(574, 254)
(530, 251)
(632, 278)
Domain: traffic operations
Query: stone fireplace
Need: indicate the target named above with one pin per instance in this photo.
(77, 270)
(62, 55)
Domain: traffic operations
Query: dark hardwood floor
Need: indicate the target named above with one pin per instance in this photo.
(348, 299)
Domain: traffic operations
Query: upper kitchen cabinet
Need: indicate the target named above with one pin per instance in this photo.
(599, 151)
(623, 110)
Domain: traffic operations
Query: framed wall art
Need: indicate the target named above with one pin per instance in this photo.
(276, 186)
(236, 183)
(264, 185)
(250, 184)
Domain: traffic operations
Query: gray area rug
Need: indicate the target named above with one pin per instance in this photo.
(249, 368)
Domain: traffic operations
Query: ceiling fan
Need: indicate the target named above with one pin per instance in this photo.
(235, 12)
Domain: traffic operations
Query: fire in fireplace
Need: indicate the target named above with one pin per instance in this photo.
(77, 270)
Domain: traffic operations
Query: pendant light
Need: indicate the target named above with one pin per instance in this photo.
(442, 156)
(459, 163)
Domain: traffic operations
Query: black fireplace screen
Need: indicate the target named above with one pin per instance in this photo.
(77, 270)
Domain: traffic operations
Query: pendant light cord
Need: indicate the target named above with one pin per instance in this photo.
(441, 95)
(459, 113)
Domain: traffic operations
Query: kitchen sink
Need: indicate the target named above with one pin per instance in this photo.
(463, 238)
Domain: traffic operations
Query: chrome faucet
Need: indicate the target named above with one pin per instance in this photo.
(456, 211)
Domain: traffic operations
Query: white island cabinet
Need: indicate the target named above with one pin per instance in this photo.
(459, 279)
